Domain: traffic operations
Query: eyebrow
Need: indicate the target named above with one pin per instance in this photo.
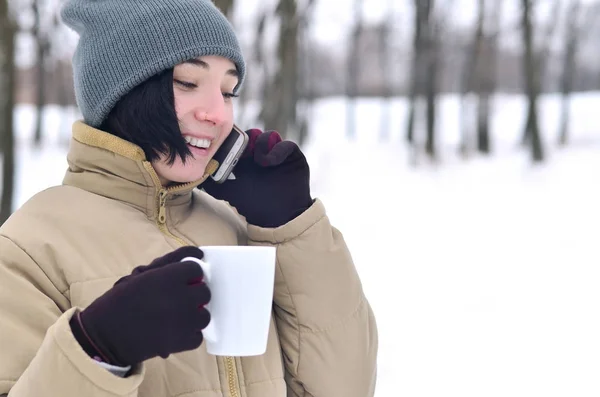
(204, 65)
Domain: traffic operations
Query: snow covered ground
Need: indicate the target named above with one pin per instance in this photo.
(483, 274)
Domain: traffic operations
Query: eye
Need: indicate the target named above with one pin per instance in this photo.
(185, 84)
(229, 95)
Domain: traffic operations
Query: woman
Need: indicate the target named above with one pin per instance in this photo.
(94, 298)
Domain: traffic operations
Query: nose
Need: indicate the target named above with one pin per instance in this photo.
(212, 110)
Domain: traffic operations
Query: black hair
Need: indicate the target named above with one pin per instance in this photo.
(146, 116)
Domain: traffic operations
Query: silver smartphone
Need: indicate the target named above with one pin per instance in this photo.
(229, 153)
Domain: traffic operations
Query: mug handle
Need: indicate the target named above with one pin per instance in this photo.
(209, 333)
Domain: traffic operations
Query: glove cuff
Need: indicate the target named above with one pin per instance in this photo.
(87, 343)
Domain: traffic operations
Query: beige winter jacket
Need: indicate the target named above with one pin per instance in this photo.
(69, 244)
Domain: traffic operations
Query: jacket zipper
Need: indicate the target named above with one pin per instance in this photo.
(161, 220)
(232, 376)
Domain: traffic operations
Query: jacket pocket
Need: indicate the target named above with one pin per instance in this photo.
(85, 292)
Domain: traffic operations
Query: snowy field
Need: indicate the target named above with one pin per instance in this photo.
(483, 274)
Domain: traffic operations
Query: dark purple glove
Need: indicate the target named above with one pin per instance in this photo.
(155, 311)
(272, 184)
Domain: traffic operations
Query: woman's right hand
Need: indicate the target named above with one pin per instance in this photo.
(155, 311)
(272, 181)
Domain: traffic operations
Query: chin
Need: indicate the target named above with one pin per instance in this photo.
(189, 172)
(184, 177)
(193, 176)
(188, 178)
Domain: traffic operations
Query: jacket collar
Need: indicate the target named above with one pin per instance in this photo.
(104, 164)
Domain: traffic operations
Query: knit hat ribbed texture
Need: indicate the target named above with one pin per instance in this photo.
(122, 43)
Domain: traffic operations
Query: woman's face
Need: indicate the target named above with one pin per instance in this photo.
(203, 89)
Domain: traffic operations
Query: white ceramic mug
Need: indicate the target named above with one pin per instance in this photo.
(241, 281)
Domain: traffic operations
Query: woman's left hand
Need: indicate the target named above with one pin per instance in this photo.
(272, 184)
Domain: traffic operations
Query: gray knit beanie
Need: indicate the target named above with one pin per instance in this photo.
(122, 43)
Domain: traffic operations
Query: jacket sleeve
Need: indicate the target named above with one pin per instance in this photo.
(326, 326)
(38, 354)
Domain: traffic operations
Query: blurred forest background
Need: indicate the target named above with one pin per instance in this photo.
(419, 50)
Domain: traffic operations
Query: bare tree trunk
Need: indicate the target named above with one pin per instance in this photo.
(568, 72)
(424, 70)
(483, 122)
(63, 101)
(541, 60)
(226, 6)
(532, 85)
(431, 93)
(305, 75)
(386, 70)
(279, 105)
(488, 84)
(432, 58)
(544, 52)
(386, 93)
(261, 72)
(471, 80)
(7, 99)
(410, 124)
(42, 47)
(353, 70)
(416, 71)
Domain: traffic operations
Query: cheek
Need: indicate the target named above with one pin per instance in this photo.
(183, 105)
(228, 116)
(227, 124)
(226, 130)
(225, 133)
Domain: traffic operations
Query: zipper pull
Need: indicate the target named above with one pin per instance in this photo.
(162, 211)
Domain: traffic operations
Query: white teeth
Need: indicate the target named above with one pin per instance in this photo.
(201, 143)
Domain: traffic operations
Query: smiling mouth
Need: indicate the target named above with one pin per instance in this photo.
(197, 142)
